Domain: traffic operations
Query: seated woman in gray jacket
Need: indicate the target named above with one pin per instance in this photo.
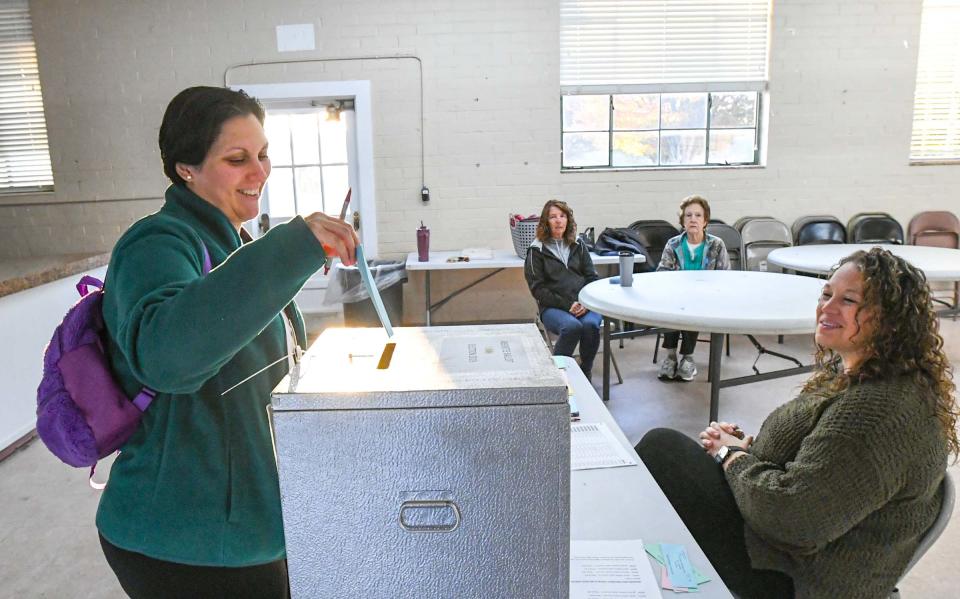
(694, 249)
(557, 267)
(833, 496)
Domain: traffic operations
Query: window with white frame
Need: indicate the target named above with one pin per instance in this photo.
(310, 160)
(24, 152)
(356, 114)
(936, 106)
(652, 84)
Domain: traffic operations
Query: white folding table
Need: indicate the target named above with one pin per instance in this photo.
(718, 302)
(501, 259)
(626, 503)
(938, 264)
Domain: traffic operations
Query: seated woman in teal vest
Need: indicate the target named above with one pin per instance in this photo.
(694, 249)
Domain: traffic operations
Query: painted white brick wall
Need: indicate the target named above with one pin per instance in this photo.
(841, 94)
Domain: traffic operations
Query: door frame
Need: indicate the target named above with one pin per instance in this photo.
(364, 194)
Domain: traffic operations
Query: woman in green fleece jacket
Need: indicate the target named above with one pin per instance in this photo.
(192, 506)
(833, 496)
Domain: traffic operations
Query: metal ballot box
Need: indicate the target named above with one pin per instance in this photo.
(445, 475)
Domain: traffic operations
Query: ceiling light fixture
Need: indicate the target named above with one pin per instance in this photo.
(333, 110)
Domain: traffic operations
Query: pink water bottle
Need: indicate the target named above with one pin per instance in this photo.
(423, 243)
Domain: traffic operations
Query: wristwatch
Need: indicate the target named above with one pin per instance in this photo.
(725, 452)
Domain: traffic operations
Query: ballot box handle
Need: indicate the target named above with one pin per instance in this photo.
(429, 516)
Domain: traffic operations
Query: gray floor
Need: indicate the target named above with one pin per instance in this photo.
(49, 548)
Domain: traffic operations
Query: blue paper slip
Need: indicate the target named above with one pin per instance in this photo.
(656, 553)
(560, 362)
(614, 280)
(574, 410)
(679, 568)
(372, 291)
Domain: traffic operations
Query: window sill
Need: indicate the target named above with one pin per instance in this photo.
(564, 171)
(15, 192)
(934, 162)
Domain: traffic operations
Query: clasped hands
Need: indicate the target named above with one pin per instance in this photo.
(719, 434)
(577, 309)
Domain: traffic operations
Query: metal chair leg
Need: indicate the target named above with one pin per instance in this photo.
(616, 369)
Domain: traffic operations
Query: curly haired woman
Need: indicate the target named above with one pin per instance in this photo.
(833, 496)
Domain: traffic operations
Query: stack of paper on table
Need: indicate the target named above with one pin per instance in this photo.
(477, 253)
(610, 569)
(592, 445)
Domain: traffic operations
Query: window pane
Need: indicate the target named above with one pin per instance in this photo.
(309, 193)
(24, 148)
(333, 141)
(335, 184)
(280, 193)
(730, 146)
(306, 146)
(636, 149)
(586, 113)
(585, 149)
(683, 147)
(277, 128)
(733, 110)
(683, 111)
(636, 111)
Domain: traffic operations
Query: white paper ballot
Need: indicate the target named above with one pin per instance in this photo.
(592, 445)
(611, 570)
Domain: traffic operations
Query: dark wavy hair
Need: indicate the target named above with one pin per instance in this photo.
(543, 227)
(193, 120)
(905, 341)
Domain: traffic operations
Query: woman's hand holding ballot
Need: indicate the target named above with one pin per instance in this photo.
(337, 237)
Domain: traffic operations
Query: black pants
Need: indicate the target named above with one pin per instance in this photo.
(689, 344)
(696, 487)
(143, 577)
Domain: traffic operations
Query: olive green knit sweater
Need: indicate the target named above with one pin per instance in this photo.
(838, 492)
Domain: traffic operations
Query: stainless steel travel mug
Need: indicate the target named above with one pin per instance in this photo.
(626, 269)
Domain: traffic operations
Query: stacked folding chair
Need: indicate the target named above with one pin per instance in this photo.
(760, 235)
(936, 228)
(818, 229)
(874, 227)
(654, 235)
(731, 239)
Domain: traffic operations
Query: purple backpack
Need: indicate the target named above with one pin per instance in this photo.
(82, 413)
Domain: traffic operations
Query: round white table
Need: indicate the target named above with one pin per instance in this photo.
(718, 302)
(938, 264)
